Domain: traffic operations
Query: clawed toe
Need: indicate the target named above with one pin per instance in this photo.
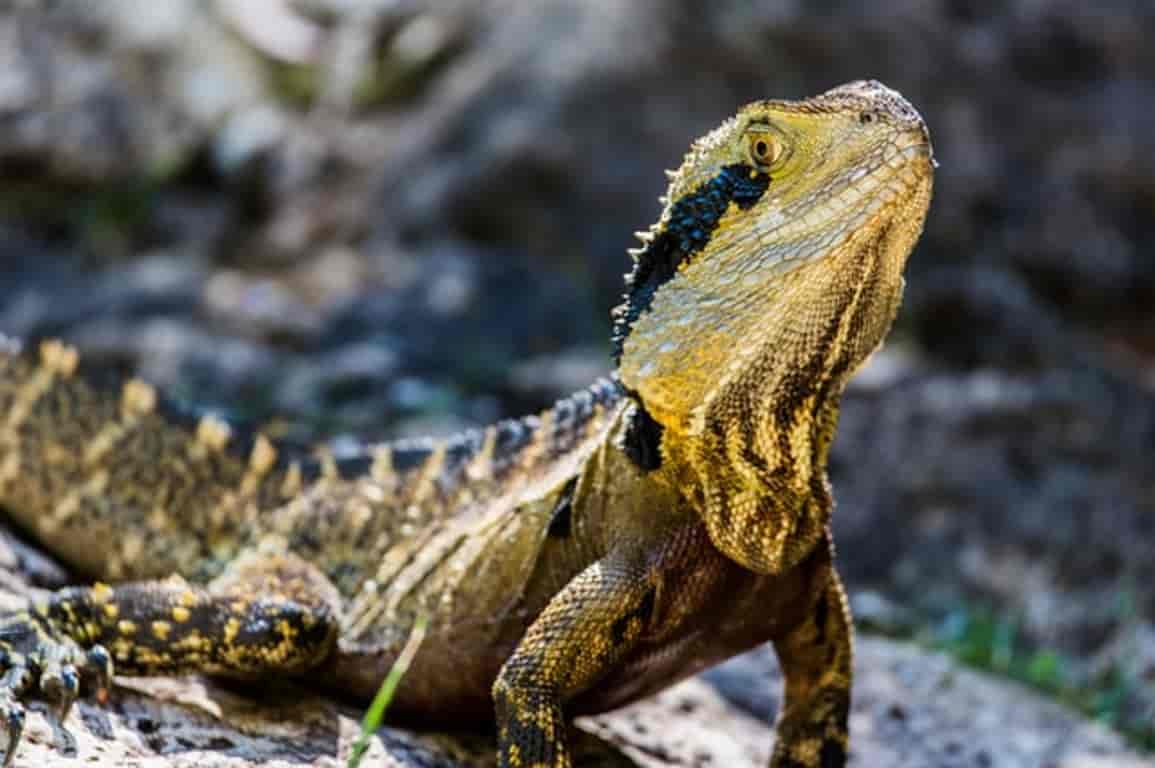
(98, 669)
(59, 678)
(13, 683)
(12, 720)
(37, 664)
(60, 685)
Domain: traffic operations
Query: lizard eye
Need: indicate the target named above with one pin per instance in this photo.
(765, 149)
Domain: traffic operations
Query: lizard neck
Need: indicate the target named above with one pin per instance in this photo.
(770, 373)
(751, 439)
(772, 274)
(779, 399)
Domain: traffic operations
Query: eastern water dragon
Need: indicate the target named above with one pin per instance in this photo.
(662, 520)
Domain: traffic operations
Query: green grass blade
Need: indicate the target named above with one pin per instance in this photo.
(376, 712)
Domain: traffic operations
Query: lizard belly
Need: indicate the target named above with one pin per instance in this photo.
(446, 685)
(451, 678)
(494, 600)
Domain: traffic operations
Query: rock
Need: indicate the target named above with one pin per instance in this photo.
(912, 709)
(1030, 495)
(917, 709)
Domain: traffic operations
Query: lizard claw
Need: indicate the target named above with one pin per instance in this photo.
(59, 685)
(13, 722)
(35, 660)
(12, 684)
(98, 669)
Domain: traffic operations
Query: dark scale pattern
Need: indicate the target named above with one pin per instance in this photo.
(411, 455)
(821, 610)
(569, 419)
(643, 440)
(562, 431)
(352, 467)
(561, 521)
(639, 617)
(833, 755)
(512, 436)
(692, 220)
(459, 451)
(694, 217)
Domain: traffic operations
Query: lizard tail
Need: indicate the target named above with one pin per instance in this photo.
(101, 470)
(84, 459)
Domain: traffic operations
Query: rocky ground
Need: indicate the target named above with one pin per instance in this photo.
(378, 217)
(912, 709)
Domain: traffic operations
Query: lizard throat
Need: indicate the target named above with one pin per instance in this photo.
(684, 232)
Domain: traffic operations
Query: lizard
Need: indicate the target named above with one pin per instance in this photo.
(672, 515)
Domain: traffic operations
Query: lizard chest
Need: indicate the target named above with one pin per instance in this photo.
(707, 609)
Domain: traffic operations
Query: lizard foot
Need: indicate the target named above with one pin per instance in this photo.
(816, 738)
(36, 661)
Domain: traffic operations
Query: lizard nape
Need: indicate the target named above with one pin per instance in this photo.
(568, 562)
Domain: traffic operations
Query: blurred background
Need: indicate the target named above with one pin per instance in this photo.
(383, 217)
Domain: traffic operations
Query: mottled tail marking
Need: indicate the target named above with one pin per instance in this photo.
(137, 399)
(56, 360)
(212, 436)
(261, 461)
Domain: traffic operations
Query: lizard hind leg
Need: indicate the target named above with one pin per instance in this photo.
(815, 656)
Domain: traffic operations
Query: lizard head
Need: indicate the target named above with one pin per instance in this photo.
(766, 225)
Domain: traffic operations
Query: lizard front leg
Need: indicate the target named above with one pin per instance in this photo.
(815, 656)
(267, 614)
(585, 628)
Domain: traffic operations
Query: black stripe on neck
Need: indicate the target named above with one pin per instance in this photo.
(642, 441)
(692, 221)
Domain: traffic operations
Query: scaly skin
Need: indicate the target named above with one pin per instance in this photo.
(571, 562)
